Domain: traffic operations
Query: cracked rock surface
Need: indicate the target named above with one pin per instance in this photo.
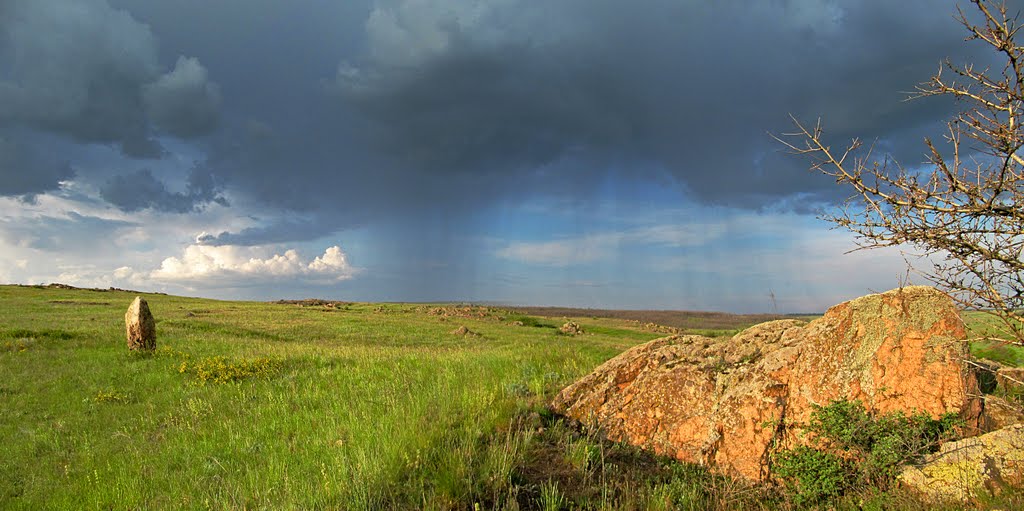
(728, 403)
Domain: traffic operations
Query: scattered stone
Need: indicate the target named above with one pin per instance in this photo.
(517, 323)
(571, 328)
(726, 403)
(989, 463)
(463, 331)
(467, 311)
(140, 326)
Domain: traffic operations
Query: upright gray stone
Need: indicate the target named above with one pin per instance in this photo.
(140, 326)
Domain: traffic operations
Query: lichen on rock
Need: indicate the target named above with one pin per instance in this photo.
(989, 463)
(727, 403)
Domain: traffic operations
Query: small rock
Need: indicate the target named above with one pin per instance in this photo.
(140, 327)
(571, 328)
(463, 331)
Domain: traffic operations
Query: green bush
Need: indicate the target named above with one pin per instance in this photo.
(851, 448)
(812, 475)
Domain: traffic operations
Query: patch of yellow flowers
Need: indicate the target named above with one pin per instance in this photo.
(224, 370)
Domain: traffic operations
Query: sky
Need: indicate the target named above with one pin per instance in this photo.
(591, 153)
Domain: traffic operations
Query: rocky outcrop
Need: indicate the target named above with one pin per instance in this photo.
(988, 463)
(728, 403)
(140, 328)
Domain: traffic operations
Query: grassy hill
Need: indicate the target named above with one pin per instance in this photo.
(315, 406)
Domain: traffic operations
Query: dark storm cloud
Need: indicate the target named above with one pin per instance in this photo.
(24, 172)
(140, 190)
(349, 112)
(449, 105)
(183, 102)
(84, 70)
(688, 87)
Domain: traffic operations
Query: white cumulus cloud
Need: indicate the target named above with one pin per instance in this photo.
(206, 263)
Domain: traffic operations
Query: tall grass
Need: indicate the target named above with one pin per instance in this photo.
(362, 410)
(358, 407)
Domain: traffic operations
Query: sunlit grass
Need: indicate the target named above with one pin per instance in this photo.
(258, 405)
(981, 325)
(268, 406)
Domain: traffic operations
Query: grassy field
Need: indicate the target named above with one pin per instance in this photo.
(318, 406)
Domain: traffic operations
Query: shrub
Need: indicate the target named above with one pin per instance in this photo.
(813, 475)
(851, 448)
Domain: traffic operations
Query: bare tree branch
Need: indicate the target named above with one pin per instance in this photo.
(967, 212)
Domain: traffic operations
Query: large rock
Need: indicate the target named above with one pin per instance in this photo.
(988, 463)
(139, 325)
(727, 402)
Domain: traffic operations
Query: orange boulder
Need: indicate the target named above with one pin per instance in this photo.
(728, 402)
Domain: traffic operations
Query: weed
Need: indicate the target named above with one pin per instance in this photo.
(551, 498)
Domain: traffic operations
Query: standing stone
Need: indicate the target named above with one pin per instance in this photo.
(140, 326)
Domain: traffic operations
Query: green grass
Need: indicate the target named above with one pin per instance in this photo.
(361, 406)
(980, 325)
